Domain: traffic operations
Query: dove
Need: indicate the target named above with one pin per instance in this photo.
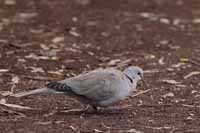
(98, 88)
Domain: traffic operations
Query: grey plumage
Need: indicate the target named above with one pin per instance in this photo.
(100, 87)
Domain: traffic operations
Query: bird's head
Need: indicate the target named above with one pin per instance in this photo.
(134, 72)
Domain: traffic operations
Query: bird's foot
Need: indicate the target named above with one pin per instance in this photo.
(118, 108)
(94, 109)
(82, 111)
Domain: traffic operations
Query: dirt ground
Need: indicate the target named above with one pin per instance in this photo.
(47, 40)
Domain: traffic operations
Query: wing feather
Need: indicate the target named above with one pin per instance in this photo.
(96, 85)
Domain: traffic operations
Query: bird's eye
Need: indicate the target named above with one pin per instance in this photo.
(138, 73)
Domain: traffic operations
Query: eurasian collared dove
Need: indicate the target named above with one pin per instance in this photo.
(100, 87)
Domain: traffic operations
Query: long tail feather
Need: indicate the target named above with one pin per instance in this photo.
(33, 92)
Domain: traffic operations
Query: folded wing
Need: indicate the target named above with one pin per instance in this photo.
(97, 85)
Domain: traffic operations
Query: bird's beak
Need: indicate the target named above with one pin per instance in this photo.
(145, 84)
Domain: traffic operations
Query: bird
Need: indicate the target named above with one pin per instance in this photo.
(101, 87)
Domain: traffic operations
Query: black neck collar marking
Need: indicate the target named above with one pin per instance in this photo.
(129, 78)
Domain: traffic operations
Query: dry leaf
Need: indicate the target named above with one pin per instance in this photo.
(27, 15)
(178, 65)
(149, 16)
(149, 56)
(170, 81)
(161, 61)
(105, 34)
(158, 128)
(194, 91)
(164, 21)
(59, 72)
(164, 42)
(36, 57)
(170, 94)
(73, 128)
(15, 79)
(43, 123)
(141, 92)
(52, 52)
(190, 106)
(113, 62)
(174, 47)
(189, 118)
(73, 110)
(37, 31)
(69, 61)
(45, 47)
(73, 50)
(74, 19)
(3, 102)
(130, 131)
(184, 59)
(176, 21)
(191, 74)
(21, 60)
(104, 59)
(151, 71)
(74, 33)
(2, 40)
(146, 15)
(170, 69)
(58, 39)
(4, 70)
(124, 63)
(37, 69)
(180, 85)
(92, 23)
(23, 17)
(13, 112)
(9, 2)
(98, 131)
(196, 20)
(54, 58)
(90, 53)
(6, 93)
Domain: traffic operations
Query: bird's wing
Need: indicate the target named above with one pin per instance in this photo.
(96, 85)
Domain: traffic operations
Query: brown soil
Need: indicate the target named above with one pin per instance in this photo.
(38, 37)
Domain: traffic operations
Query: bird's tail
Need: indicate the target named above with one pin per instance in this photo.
(34, 92)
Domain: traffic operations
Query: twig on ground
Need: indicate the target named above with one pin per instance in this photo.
(39, 78)
(190, 106)
(158, 128)
(141, 92)
(32, 77)
(72, 110)
(3, 103)
(14, 45)
(156, 105)
(191, 61)
(12, 112)
(105, 126)
(194, 63)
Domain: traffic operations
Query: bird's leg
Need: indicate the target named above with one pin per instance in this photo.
(86, 108)
(95, 109)
(118, 108)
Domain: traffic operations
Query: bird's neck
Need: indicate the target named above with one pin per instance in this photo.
(129, 78)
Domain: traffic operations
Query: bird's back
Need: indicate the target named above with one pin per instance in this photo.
(98, 85)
